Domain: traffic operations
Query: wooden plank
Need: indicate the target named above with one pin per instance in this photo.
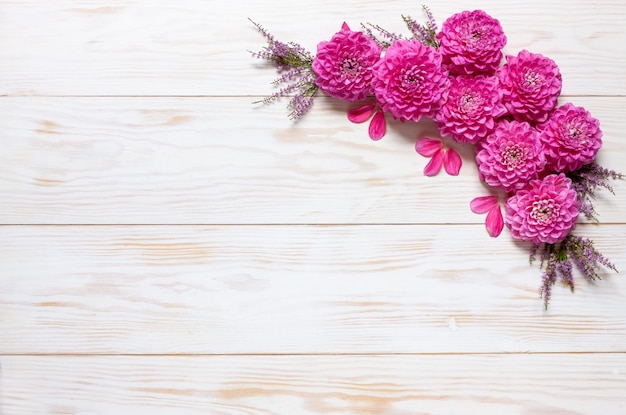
(221, 160)
(295, 289)
(275, 385)
(198, 47)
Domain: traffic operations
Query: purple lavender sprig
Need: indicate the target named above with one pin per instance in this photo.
(560, 259)
(585, 182)
(383, 37)
(294, 64)
(427, 33)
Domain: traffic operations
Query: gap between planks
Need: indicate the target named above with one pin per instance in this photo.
(321, 225)
(364, 354)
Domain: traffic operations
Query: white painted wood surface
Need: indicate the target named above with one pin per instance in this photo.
(295, 289)
(198, 47)
(368, 384)
(221, 160)
(167, 247)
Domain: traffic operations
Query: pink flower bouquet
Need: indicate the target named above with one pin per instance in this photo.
(540, 157)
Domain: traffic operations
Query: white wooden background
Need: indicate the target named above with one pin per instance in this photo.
(169, 248)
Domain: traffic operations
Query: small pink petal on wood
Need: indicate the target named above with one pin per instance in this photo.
(427, 147)
(482, 204)
(362, 113)
(434, 165)
(452, 162)
(378, 126)
(494, 221)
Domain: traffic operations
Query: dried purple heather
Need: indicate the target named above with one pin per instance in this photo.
(383, 37)
(585, 182)
(294, 63)
(425, 34)
(560, 259)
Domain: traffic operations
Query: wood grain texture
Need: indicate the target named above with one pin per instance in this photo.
(295, 289)
(221, 160)
(306, 385)
(244, 265)
(199, 47)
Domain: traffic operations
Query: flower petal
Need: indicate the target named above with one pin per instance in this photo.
(378, 126)
(362, 113)
(494, 221)
(483, 204)
(434, 165)
(345, 26)
(452, 162)
(427, 147)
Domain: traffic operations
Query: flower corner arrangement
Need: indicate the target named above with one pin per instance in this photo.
(535, 154)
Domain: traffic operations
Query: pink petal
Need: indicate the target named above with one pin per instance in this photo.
(362, 113)
(494, 221)
(452, 162)
(427, 147)
(378, 126)
(434, 165)
(482, 204)
(345, 26)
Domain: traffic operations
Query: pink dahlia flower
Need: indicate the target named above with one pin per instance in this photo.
(572, 138)
(409, 81)
(471, 109)
(343, 65)
(511, 156)
(531, 85)
(471, 43)
(545, 212)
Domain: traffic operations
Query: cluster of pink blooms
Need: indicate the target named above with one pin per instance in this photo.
(537, 155)
(506, 106)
